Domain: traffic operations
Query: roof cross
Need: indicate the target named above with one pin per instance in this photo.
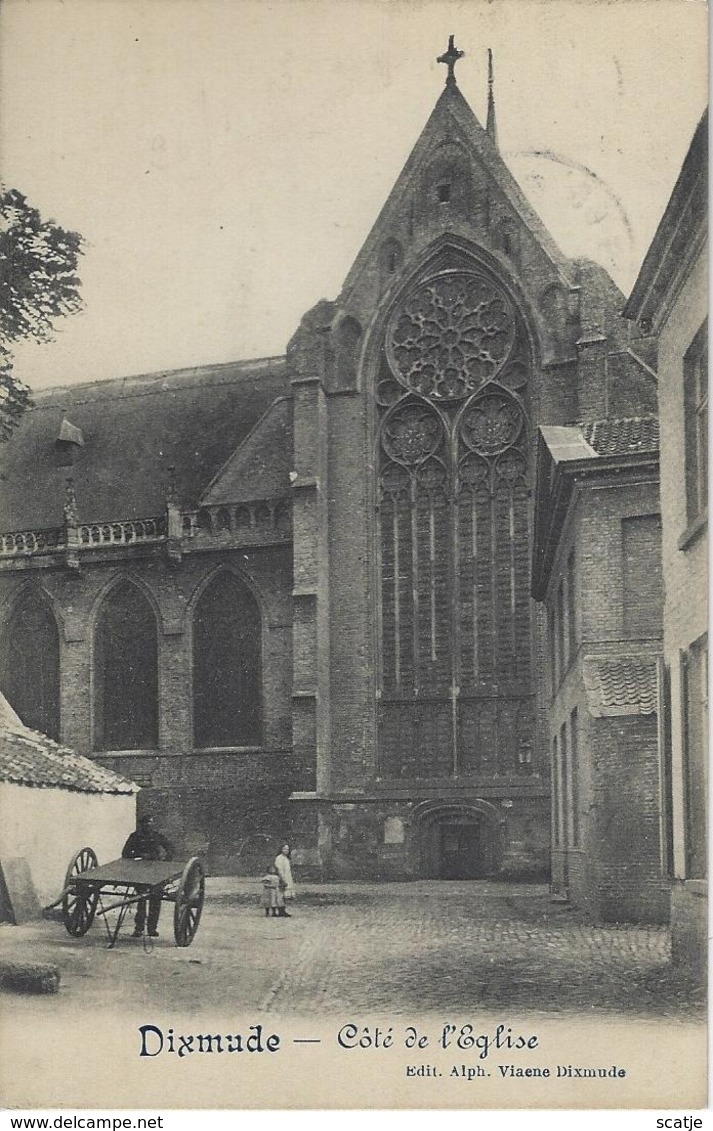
(450, 58)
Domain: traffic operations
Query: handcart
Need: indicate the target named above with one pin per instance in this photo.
(92, 890)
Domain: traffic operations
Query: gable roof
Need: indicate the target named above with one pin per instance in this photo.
(681, 231)
(134, 429)
(261, 466)
(30, 758)
(453, 117)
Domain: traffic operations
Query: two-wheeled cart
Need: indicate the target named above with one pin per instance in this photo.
(92, 890)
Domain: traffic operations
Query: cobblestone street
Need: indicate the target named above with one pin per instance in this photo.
(429, 946)
(427, 953)
(368, 948)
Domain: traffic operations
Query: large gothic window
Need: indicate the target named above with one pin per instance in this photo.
(227, 708)
(29, 664)
(126, 672)
(453, 532)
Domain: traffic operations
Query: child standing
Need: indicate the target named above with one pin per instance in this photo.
(270, 891)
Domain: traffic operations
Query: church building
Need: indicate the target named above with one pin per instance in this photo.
(291, 597)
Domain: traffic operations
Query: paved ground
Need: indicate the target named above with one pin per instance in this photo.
(396, 948)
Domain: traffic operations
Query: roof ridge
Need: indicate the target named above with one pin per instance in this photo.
(154, 377)
(617, 419)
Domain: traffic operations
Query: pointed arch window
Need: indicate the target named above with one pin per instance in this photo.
(29, 664)
(126, 672)
(227, 700)
(452, 531)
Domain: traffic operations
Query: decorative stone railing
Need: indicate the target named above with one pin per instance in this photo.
(267, 517)
(31, 542)
(88, 536)
(122, 533)
(268, 521)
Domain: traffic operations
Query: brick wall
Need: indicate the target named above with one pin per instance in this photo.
(612, 866)
(208, 802)
(625, 849)
(388, 838)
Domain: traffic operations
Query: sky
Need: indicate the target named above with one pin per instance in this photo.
(224, 160)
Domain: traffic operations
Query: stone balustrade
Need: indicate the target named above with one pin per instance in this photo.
(122, 533)
(269, 519)
(22, 542)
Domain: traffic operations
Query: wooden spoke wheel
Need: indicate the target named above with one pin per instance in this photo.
(79, 902)
(189, 902)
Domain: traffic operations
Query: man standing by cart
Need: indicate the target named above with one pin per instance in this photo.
(148, 844)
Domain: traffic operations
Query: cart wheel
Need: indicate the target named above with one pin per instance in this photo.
(189, 902)
(79, 903)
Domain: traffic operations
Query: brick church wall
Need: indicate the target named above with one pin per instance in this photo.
(232, 806)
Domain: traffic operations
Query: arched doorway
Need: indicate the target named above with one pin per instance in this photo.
(457, 841)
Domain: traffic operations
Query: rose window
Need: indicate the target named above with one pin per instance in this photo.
(451, 335)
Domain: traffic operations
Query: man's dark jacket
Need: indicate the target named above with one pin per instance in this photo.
(147, 844)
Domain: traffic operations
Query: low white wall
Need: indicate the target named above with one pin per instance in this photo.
(47, 827)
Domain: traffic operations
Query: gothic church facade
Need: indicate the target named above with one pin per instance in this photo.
(291, 597)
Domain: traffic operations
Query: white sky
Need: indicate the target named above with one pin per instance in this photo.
(225, 159)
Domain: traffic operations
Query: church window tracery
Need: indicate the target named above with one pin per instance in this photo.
(126, 671)
(227, 707)
(29, 669)
(453, 530)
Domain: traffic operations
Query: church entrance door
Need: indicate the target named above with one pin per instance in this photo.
(456, 840)
(461, 854)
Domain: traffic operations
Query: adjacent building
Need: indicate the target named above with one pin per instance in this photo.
(54, 802)
(597, 571)
(670, 300)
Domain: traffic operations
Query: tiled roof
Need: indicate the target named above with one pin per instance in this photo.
(620, 685)
(134, 429)
(622, 437)
(33, 759)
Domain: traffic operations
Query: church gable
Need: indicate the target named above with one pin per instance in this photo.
(456, 182)
(260, 466)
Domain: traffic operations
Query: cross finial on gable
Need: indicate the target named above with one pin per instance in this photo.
(450, 58)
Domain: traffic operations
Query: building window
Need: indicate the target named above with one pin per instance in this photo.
(29, 664)
(227, 701)
(556, 832)
(444, 192)
(126, 672)
(452, 530)
(694, 678)
(561, 635)
(574, 775)
(391, 256)
(565, 803)
(571, 608)
(643, 577)
(552, 642)
(666, 770)
(695, 392)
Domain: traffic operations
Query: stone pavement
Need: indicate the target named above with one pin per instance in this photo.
(417, 947)
(372, 948)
